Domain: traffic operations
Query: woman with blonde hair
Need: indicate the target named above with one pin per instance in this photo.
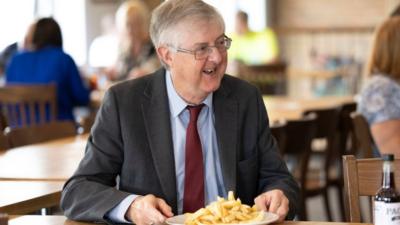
(136, 55)
(380, 98)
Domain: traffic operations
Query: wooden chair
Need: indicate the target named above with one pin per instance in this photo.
(278, 130)
(24, 105)
(346, 136)
(327, 124)
(3, 121)
(269, 78)
(39, 133)
(364, 142)
(299, 135)
(362, 177)
(4, 142)
(344, 146)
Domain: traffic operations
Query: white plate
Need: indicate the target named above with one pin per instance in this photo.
(268, 218)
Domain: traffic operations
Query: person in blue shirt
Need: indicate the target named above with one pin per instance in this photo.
(48, 63)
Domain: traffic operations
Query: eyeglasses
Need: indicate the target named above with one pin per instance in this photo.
(222, 44)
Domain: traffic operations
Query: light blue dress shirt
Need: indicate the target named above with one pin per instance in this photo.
(213, 181)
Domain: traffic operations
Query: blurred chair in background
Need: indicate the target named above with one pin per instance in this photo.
(39, 133)
(24, 105)
(278, 130)
(3, 120)
(364, 142)
(269, 78)
(48, 63)
(297, 153)
(326, 135)
(4, 142)
(346, 136)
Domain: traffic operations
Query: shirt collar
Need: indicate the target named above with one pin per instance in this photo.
(176, 103)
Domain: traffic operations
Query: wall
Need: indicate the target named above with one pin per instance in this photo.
(317, 37)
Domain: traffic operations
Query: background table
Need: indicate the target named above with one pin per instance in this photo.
(21, 197)
(52, 161)
(282, 107)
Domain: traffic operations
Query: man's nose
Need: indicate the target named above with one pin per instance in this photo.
(214, 54)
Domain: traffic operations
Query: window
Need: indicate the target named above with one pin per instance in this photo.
(256, 9)
(17, 15)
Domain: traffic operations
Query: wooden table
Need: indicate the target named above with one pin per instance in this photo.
(48, 161)
(22, 197)
(61, 220)
(282, 107)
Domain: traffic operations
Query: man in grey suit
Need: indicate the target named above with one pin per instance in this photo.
(134, 166)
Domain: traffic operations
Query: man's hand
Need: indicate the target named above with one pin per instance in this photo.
(273, 201)
(148, 210)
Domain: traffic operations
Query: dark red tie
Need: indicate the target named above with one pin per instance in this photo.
(193, 198)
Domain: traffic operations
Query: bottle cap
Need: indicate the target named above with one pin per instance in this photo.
(388, 157)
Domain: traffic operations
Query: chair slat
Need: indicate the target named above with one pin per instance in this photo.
(21, 104)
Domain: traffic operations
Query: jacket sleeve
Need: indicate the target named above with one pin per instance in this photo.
(273, 172)
(90, 193)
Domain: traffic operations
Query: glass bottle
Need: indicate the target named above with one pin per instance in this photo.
(387, 199)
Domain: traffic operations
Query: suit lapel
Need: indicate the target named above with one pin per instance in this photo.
(158, 127)
(226, 125)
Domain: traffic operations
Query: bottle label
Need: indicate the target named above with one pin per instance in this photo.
(386, 213)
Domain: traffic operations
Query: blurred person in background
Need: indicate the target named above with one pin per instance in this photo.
(136, 54)
(48, 63)
(250, 47)
(380, 98)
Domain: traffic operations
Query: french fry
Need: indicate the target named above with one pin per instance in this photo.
(222, 211)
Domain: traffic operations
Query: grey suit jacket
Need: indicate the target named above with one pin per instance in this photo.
(131, 139)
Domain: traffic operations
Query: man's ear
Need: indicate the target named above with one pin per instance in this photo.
(165, 54)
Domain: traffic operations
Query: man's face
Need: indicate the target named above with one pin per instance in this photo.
(194, 78)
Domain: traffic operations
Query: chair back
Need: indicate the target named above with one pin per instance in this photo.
(42, 132)
(327, 124)
(3, 121)
(278, 130)
(362, 177)
(4, 142)
(299, 135)
(363, 138)
(327, 121)
(24, 105)
(269, 78)
(346, 136)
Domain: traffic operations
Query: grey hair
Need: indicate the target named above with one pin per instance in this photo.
(171, 13)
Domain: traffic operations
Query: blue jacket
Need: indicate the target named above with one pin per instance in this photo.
(51, 65)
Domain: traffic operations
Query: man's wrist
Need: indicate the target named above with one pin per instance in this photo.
(129, 212)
